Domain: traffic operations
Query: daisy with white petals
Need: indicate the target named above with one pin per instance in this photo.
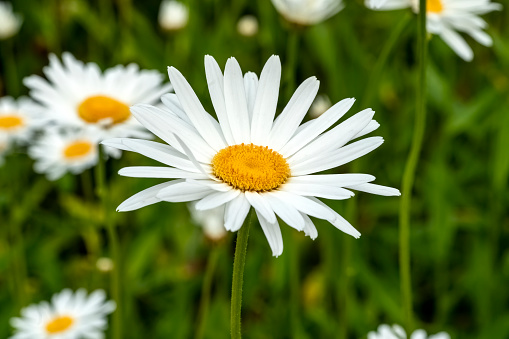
(18, 119)
(448, 17)
(307, 12)
(9, 22)
(397, 332)
(78, 94)
(68, 316)
(248, 159)
(58, 152)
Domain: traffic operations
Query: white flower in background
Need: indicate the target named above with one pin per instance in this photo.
(375, 4)
(173, 15)
(212, 221)
(78, 94)
(68, 316)
(105, 264)
(397, 332)
(321, 104)
(9, 22)
(59, 151)
(18, 119)
(446, 18)
(307, 12)
(248, 159)
(247, 25)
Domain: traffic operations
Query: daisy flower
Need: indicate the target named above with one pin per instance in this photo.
(9, 22)
(68, 316)
(78, 94)
(397, 332)
(18, 119)
(173, 15)
(248, 159)
(212, 221)
(61, 151)
(307, 12)
(448, 17)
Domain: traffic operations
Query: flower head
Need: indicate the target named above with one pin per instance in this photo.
(248, 159)
(60, 151)
(448, 17)
(9, 22)
(397, 332)
(247, 25)
(79, 95)
(173, 15)
(18, 119)
(307, 12)
(68, 316)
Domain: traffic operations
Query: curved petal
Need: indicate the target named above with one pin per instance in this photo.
(236, 212)
(272, 233)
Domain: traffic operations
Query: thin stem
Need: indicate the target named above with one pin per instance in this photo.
(205, 291)
(409, 173)
(292, 49)
(11, 71)
(376, 72)
(239, 262)
(114, 247)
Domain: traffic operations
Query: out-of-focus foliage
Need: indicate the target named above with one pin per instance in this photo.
(333, 287)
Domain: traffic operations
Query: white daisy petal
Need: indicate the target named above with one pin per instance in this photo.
(309, 228)
(236, 212)
(261, 206)
(236, 102)
(159, 172)
(458, 44)
(314, 190)
(266, 101)
(290, 215)
(341, 180)
(144, 198)
(183, 191)
(251, 87)
(376, 189)
(272, 233)
(216, 199)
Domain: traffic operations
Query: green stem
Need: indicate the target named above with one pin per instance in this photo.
(409, 173)
(376, 72)
(292, 49)
(11, 71)
(205, 292)
(114, 247)
(239, 262)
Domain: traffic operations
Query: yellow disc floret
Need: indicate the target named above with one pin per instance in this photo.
(59, 324)
(250, 167)
(434, 6)
(99, 107)
(8, 122)
(77, 149)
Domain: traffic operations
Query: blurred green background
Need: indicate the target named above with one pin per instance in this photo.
(333, 287)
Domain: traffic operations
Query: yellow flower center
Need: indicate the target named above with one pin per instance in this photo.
(77, 149)
(101, 107)
(59, 324)
(250, 167)
(10, 122)
(434, 6)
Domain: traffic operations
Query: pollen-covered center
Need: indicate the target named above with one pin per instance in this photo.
(59, 324)
(99, 107)
(250, 167)
(77, 149)
(434, 6)
(8, 122)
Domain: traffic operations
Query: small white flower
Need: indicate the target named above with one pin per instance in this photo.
(61, 151)
(79, 95)
(446, 18)
(320, 105)
(397, 332)
(247, 25)
(68, 316)
(307, 12)
(248, 159)
(212, 221)
(18, 119)
(9, 22)
(173, 15)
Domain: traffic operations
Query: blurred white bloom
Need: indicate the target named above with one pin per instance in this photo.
(79, 95)
(104, 264)
(307, 12)
(375, 4)
(212, 221)
(9, 22)
(397, 332)
(58, 152)
(247, 158)
(247, 25)
(321, 104)
(18, 119)
(446, 18)
(68, 316)
(173, 15)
